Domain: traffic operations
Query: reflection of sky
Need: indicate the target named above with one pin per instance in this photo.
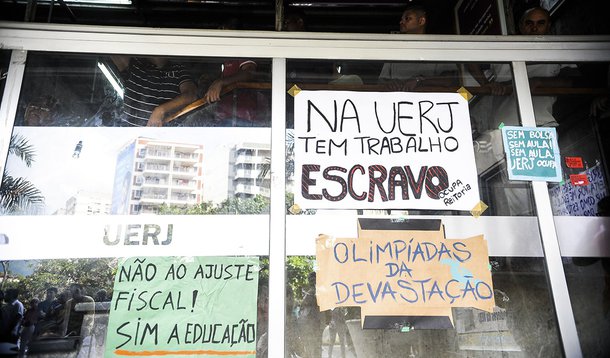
(59, 176)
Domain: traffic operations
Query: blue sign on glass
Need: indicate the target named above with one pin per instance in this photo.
(532, 153)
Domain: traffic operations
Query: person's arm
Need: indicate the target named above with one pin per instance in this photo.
(244, 74)
(188, 94)
(496, 88)
(477, 73)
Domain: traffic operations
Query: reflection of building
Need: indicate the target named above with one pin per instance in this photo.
(247, 161)
(87, 203)
(150, 173)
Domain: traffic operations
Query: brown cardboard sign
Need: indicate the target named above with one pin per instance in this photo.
(403, 268)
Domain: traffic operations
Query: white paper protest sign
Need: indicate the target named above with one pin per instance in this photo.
(383, 150)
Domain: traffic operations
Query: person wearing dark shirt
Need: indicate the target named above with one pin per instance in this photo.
(294, 21)
(53, 322)
(81, 319)
(30, 320)
(79, 323)
(407, 76)
(154, 89)
(240, 107)
(45, 306)
(12, 316)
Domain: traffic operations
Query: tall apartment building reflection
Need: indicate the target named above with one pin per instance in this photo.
(249, 170)
(150, 173)
(88, 203)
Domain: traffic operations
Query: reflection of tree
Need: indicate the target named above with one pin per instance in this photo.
(255, 205)
(266, 169)
(5, 265)
(92, 274)
(18, 195)
(266, 166)
(293, 209)
(206, 208)
(298, 269)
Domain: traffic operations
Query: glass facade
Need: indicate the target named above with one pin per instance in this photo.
(152, 172)
(578, 102)
(74, 156)
(521, 290)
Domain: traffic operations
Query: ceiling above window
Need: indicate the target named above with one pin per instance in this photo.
(346, 16)
(352, 16)
(99, 2)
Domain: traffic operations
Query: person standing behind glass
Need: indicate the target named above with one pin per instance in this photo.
(3, 323)
(12, 317)
(81, 319)
(240, 107)
(533, 22)
(30, 320)
(309, 323)
(404, 76)
(513, 198)
(154, 89)
(50, 300)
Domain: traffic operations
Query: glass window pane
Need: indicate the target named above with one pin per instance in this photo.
(579, 102)
(522, 323)
(518, 277)
(494, 106)
(104, 169)
(65, 307)
(92, 182)
(579, 94)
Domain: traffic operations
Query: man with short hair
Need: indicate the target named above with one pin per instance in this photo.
(79, 322)
(414, 20)
(45, 306)
(404, 76)
(535, 21)
(502, 107)
(12, 314)
(294, 21)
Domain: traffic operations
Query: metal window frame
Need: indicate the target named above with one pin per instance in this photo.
(23, 37)
(550, 242)
(277, 222)
(10, 98)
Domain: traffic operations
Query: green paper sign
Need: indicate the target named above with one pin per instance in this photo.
(532, 153)
(184, 306)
